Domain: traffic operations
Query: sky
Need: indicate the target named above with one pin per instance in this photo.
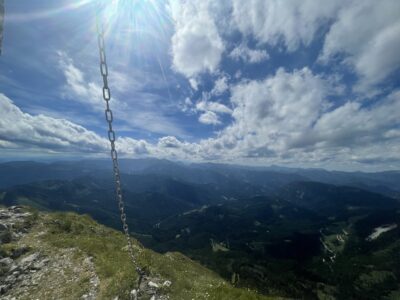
(257, 82)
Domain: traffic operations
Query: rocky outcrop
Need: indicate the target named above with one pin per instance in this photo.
(23, 268)
(22, 274)
(70, 256)
(16, 268)
(151, 288)
(14, 222)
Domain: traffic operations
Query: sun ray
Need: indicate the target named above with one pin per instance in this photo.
(42, 14)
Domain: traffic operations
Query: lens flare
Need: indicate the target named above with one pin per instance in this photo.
(137, 32)
(42, 14)
(140, 29)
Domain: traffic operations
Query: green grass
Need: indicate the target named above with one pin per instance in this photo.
(189, 279)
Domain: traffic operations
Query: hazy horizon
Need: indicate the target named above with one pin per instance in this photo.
(272, 167)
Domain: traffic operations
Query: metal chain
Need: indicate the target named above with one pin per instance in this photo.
(111, 138)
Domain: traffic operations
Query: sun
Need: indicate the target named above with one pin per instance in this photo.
(136, 25)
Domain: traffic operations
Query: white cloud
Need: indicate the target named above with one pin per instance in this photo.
(169, 142)
(354, 124)
(210, 118)
(221, 86)
(248, 55)
(22, 133)
(213, 106)
(25, 130)
(364, 34)
(133, 148)
(271, 113)
(287, 118)
(292, 22)
(210, 111)
(187, 106)
(148, 110)
(194, 83)
(367, 33)
(82, 90)
(196, 44)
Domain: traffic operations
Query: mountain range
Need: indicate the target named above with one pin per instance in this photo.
(285, 232)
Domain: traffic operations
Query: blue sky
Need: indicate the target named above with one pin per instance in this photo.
(254, 82)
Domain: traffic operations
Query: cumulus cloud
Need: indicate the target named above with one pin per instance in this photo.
(221, 86)
(196, 44)
(288, 118)
(292, 22)
(285, 118)
(210, 111)
(194, 83)
(40, 131)
(271, 113)
(213, 106)
(366, 34)
(132, 148)
(210, 118)
(363, 34)
(244, 53)
(82, 90)
(25, 132)
(169, 142)
(358, 125)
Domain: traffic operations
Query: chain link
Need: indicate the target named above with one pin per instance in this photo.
(111, 138)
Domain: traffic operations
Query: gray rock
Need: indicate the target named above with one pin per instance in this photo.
(14, 268)
(134, 295)
(10, 279)
(41, 264)
(29, 259)
(6, 262)
(3, 289)
(5, 215)
(167, 283)
(153, 285)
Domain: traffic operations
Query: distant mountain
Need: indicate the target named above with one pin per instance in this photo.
(381, 182)
(273, 230)
(332, 200)
(149, 198)
(21, 172)
(241, 181)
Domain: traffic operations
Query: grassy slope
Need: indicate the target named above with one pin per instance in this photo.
(52, 233)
